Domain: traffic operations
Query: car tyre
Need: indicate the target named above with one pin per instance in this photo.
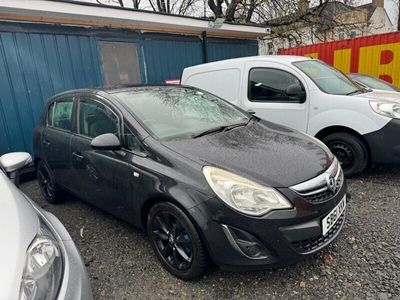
(176, 241)
(350, 150)
(48, 185)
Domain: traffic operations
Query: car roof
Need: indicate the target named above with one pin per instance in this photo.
(267, 58)
(115, 89)
(123, 88)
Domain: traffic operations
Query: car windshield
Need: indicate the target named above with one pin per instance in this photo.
(327, 78)
(171, 112)
(374, 83)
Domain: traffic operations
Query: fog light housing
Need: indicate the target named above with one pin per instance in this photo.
(245, 243)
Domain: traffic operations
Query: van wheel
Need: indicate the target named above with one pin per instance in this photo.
(350, 150)
(176, 242)
(48, 186)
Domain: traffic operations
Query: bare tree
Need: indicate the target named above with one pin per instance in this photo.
(121, 3)
(298, 24)
(398, 14)
(179, 7)
(288, 19)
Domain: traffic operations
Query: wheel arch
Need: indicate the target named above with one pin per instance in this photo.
(335, 129)
(150, 202)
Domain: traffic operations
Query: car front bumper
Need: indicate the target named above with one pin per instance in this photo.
(282, 237)
(384, 143)
(75, 283)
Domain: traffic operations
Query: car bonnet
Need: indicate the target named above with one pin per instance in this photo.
(262, 151)
(19, 224)
(381, 95)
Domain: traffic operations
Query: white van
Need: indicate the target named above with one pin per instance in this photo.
(359, 126)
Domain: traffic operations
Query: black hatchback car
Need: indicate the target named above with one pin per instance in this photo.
(209, 182)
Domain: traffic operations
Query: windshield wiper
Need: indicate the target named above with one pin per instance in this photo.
(219, 129)
(230, 127)
(209, 131)
(252, 117)
(353, 92)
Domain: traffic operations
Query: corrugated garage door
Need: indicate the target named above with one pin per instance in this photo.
(166, 59)
(219, 49)
(34, 67)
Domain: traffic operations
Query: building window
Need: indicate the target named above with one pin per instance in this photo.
(353, 34)
(120, 63)
(341, 35)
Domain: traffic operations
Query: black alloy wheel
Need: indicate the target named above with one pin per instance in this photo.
(47, 183)
(350, 150)
(175, 241)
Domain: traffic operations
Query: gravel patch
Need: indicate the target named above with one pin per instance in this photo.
(363, 263)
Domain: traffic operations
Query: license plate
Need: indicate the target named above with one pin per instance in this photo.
(329, 221)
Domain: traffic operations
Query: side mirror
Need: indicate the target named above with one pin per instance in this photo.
(13, 162)
(107, 141)
(295, 91)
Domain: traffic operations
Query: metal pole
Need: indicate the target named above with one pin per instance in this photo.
(205, 46)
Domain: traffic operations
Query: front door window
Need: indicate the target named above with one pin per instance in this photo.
(269, 85)
(96, 119)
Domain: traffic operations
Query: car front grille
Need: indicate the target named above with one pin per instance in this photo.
(309, 245)
(323, 187)
(325, 195)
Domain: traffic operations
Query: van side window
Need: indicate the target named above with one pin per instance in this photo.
(59, 115)
(269, 85)
(96, 119)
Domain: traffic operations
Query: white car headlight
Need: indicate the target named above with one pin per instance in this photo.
(242, 194)
(385, 108)
(41, 278)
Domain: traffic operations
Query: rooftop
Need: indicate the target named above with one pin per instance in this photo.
(94, 15)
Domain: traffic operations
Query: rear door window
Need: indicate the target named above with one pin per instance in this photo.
(60, 114)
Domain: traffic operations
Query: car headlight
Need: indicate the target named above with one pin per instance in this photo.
(385, 108)
(42, 273)
(242, 194)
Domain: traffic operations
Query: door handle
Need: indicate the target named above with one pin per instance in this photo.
(46, 143)
(77, 155)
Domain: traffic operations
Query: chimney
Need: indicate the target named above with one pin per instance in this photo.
(303, 5)
(377, 3)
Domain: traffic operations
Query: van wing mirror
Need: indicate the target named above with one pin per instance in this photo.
(13, 162)
(107, 141)
(295, 91)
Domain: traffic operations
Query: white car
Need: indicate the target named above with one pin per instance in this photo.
(38, 259)
(308, 95)
(370, 82)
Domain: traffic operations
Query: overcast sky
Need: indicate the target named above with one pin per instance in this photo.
(391, 8)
